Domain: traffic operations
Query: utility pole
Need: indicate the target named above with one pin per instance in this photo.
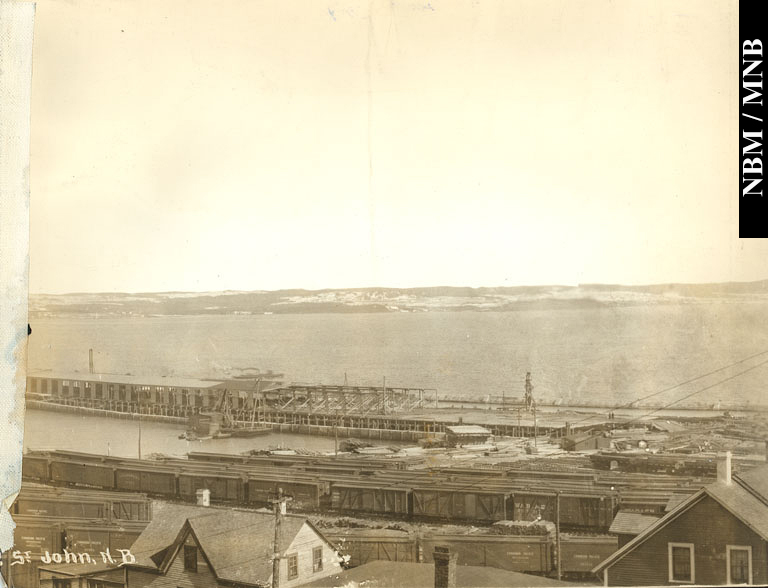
(139, 433)
(336, 435)
(279, 508)
(535, 428)
(557, 532)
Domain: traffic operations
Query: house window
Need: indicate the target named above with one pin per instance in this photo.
(190, 558)
(293, 566)
(739, 563)
(681, 568)
(317, 559)
(62, 583)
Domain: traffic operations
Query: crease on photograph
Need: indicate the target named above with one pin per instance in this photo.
(16, 20)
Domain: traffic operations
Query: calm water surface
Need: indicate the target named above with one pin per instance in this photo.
(53, 430)
(613, 355)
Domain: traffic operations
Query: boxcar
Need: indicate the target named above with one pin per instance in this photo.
(362, 546)
(580, 554)
(95, 539)
(131, 510)
(35, 468)
(37, 535)
(459, 504)
(60, 508)
(516, 553)
(152, 481)
(582, 511)
(305, 494)
(362, 498)
(223, 488)
(83, 474)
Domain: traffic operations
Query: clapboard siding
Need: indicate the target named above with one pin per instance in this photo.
(302, 545)
(707, 525)
(176, 575)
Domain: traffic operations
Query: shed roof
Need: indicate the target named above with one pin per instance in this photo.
(172, 381)
(468, 430)
(393, 574)
(631, 523)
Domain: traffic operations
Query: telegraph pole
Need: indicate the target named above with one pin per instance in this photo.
(139, 433)
(279, 507)
(557, 532)
(336, 435)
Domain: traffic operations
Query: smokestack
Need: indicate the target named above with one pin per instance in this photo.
(90, 361)
(724, 467)
(445, 567)
(203, 497)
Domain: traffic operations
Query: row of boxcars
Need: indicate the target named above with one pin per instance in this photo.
(585, 502)
(50, 519)
(535, 554)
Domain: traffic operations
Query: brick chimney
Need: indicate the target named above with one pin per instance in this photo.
(445, 567)
(724, 467)
(203, 497)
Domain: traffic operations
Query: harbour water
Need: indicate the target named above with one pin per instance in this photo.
(120, 438)
(610, 355)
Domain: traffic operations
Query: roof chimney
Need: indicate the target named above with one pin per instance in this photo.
(203, 497)
(724, 467)
(445, 567)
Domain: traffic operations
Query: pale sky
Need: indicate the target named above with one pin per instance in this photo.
(198, 145)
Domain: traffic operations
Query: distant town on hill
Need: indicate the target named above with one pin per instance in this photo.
(362, 300)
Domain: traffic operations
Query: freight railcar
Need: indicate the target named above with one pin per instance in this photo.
(85, 474)
(59, 508)
(222, 488)
(35, 467)
(150, 480)
(580, 511)
(459, 504)
(37, 535)
(371, 499)
(95, 539)
(305, 494)
(530, 554)
(364, 545)
(580, 554)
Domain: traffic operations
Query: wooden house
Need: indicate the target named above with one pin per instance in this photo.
(717, 536)
(191, 547)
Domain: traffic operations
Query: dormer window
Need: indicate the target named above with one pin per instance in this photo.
(190, 558)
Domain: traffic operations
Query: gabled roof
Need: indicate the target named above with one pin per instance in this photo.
(237, 544)
(736, 498)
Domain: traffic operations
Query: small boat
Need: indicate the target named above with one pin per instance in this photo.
(189, 436)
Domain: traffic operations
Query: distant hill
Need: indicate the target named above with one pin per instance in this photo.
(362, 300)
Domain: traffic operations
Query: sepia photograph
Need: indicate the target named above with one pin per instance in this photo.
(385, 293)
